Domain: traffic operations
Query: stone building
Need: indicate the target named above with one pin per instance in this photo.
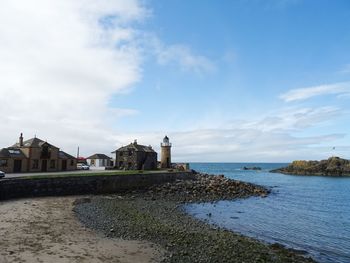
(135, 157)
(35, 155)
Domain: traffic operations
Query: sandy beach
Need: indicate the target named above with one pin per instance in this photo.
(46, 230)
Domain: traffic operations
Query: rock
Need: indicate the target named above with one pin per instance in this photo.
(157, 215)
(256, 168)
(205, 187)
(334, 166)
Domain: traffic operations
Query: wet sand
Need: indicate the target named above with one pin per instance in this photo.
(46, 230)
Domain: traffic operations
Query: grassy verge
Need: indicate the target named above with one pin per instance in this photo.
(87, 174)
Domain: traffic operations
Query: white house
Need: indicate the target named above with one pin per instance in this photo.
(99, 160)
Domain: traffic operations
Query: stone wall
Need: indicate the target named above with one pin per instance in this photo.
(79, 185)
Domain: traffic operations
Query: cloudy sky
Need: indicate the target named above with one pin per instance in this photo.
(227, 81)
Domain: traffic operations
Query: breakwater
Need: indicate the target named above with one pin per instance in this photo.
(79, 185)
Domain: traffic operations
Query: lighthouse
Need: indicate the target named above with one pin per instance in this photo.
(165, 146)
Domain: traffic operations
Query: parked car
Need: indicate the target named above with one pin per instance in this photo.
(2, 174)
(83, 166)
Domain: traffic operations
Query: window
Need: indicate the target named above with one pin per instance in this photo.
(35, 164)
(45, 152)
(14, 151)
(120, 164)
(72, 162)
(92, 163)
(3, 163)
(52, 164)
(120, 153)
(130, 152)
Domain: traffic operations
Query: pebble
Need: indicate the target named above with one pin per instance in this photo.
(156, 214)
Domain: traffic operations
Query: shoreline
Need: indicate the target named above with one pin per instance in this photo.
(308, 174)
(157, 215)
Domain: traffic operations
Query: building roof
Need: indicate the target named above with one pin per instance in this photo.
(11, 153)
(136, 147)
(64, 155)
(33, 142)
(100, 156)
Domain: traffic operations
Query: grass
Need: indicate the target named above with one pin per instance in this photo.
(86, 174)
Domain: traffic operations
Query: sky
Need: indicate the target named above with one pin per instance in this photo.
(227, 81)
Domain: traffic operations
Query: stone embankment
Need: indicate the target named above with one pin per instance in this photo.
(157, 214)
(334, 166)
(205, 188)
(51, 185)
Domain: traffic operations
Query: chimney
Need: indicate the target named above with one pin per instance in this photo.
(135, 142)
(21, 140)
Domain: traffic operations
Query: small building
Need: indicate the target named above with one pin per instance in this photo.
(135, 157)
(35, 155)
(81, 160)
(99, 160)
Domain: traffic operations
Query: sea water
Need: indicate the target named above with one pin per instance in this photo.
(310, 213)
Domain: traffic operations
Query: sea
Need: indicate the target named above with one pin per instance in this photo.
(307, 213)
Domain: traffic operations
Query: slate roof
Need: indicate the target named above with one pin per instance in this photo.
(11, 152)
(100, 156)
(64, 155)
(33, 142)
(136, 147)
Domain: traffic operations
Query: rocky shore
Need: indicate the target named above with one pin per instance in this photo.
(156, 214)
(334, 166)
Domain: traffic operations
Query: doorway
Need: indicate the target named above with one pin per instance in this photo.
(44, 165)
(17, 167)
(64, 165)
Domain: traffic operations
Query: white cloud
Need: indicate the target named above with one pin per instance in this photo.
(342, 88)
(235, 145)
(185, 57)
(59, 65)
(269, 138)
(61, 61)
(178, 54)
(292, 119)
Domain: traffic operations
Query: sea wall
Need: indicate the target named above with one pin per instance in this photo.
(80, 185)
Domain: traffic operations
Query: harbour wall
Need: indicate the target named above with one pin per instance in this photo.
(81, 185)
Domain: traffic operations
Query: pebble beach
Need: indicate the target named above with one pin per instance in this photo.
(156, 215)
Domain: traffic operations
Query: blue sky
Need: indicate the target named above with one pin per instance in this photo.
(257, 80)
(259, 51)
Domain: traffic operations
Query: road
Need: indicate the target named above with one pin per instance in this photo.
(14, 175)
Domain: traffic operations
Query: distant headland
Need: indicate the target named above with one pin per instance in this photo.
(333, 166)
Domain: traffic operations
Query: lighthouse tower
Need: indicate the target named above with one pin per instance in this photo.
(165, 146)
